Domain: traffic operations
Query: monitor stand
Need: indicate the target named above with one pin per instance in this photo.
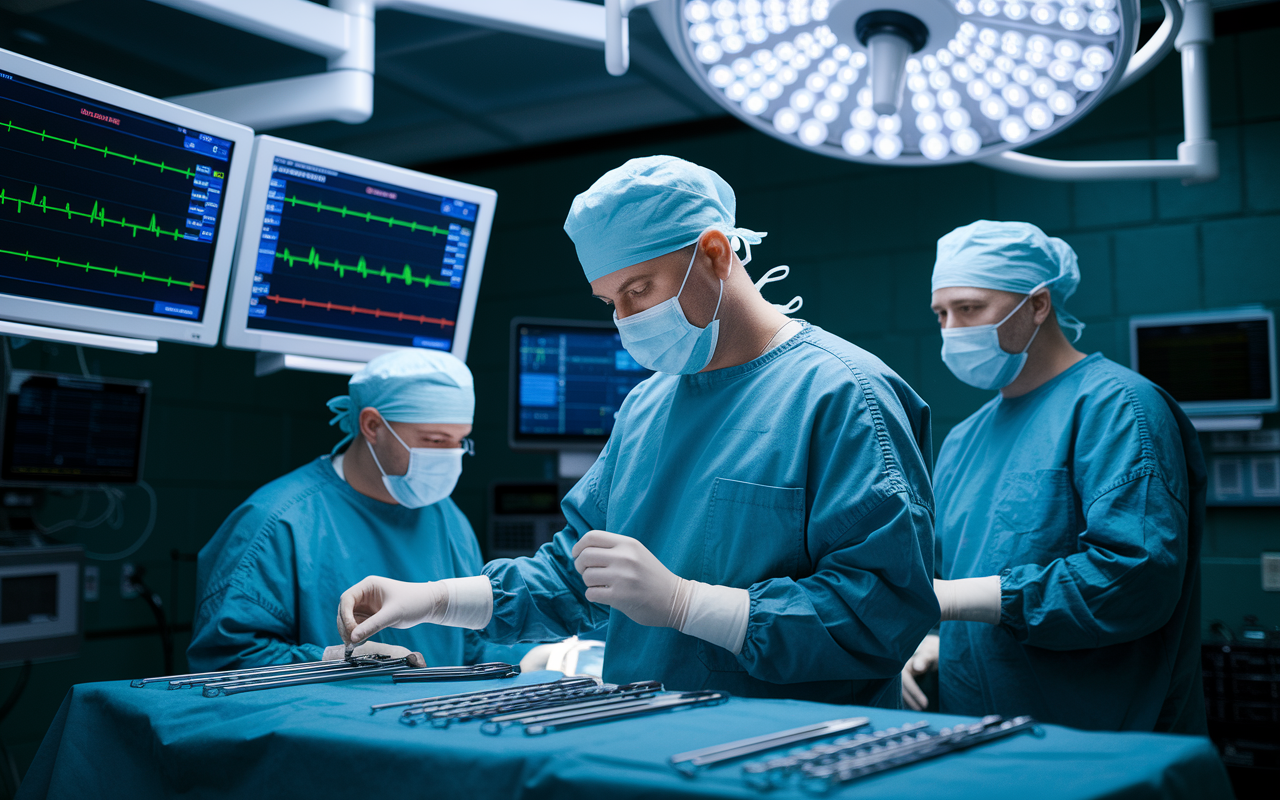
(1239, 422)
(85, 338)
(269, 363)
(575, 463)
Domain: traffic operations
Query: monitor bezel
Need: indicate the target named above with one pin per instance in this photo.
(237, 333)
(121, 323)
(1214, 407)
(142, 439)
(544, 442)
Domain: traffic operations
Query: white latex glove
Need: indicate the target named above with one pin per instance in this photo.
(620, 572)
(922, 663)
(376, 603)
(337, 652)
(969, 599)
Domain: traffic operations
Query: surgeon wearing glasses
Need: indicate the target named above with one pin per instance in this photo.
(760, 520)
(379, 504)
(1070, 509)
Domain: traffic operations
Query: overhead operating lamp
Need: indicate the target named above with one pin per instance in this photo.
(906, 81)
(894, 82)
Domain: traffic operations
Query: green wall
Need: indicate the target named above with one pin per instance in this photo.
(860, 242)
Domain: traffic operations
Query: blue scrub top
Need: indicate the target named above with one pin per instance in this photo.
(1086, 497)
(268, 582)
(798, 476)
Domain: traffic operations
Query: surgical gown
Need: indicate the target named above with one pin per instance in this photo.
(1086, 497)
(268, 582)
(798, 476)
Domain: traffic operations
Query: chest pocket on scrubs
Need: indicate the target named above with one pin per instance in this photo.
(754, 532)
(1036, 516)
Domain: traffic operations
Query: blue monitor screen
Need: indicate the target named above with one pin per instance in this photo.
(570, 381)
(105, 208)
(345, 257)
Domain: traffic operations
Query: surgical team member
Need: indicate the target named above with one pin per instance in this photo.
(760, 520)
(267, 580)
(1070, 508)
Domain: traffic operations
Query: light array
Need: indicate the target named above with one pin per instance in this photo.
(1011, 72)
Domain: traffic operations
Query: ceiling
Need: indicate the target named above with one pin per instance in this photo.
(442, 90)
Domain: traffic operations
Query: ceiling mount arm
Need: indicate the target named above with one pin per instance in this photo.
(1156, 48)
(1197, 160)
(617, 13)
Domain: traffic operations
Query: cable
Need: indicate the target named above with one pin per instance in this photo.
(142, 539)
(12, 700)
(153, 601)
(84, 367)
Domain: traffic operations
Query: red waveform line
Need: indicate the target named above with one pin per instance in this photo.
(373, 312)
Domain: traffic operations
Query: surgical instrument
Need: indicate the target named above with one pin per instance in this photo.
(685, 700)
(474, 672)
(688, 763)
(281, 674)
(441, 716)
(481, 693)
(820, 771)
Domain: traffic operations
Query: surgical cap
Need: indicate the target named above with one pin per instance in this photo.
(646, 208)
(412, 385)
(1012, 257)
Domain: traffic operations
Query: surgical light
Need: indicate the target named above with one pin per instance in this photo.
(906, 81)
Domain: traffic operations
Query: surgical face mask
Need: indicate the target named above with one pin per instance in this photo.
(662, 338)
(774, 275)
(974, 354)
(432, 473)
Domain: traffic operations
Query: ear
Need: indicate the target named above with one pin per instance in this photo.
(370, 424)
(1041, 305)
(714, 246)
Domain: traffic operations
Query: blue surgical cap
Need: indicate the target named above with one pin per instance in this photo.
(646, 208)
(412, 385)
(1012, 257)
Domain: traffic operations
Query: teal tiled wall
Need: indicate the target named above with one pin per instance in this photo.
(860, 242)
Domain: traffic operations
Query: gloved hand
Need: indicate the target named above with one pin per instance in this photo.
(337, 652)
(620, 572)
(969, 599)
(376, 603)
(922, 663)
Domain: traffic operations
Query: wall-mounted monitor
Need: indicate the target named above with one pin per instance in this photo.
(346, 259)
(1213, 362)
(63, 430)
(568, 380)
(118, 212)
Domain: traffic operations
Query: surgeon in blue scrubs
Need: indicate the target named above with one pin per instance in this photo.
(761, 519)
(1070, 509)
(268, 579)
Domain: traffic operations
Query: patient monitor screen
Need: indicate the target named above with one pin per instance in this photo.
(345, 257)
(570, 382)
(103, 207)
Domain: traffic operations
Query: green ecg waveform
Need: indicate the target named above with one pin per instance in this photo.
(98, 214)
(368, 216)
(360, 268)
(114, 271)
(106, 151)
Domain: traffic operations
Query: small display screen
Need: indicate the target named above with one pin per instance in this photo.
(526, 498)
(344, 257)
(1228, 361)
(29, 598)
(66, 429)
(571, 381)
(103, 207)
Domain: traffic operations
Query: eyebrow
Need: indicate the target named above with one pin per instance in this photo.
(627, 283)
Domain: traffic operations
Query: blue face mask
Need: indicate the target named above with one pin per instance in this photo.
(974, 354)
(432, 473)
(662, 338)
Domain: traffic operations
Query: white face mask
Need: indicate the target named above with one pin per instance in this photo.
(662, 338)
(432, 473)
(974, 354)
